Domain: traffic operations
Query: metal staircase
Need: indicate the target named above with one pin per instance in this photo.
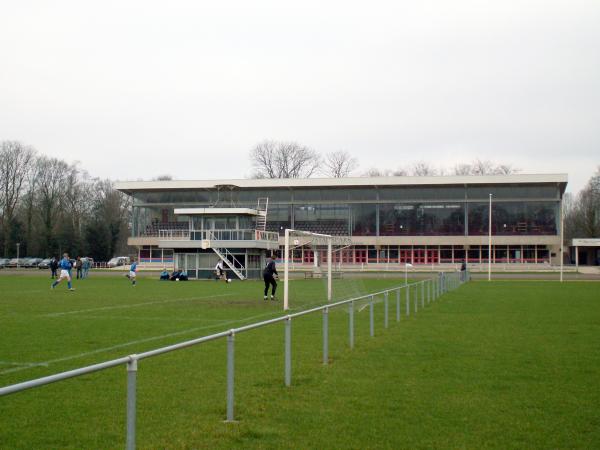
(228, 258)
(262, 207)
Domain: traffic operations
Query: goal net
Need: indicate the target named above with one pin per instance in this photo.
(311, 256)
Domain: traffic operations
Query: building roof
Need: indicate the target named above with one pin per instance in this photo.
(271, 183)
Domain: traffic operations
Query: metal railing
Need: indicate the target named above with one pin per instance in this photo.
(174, 234)
(234, 235)
(218, 235)
(426, 291)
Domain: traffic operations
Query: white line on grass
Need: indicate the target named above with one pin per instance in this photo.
(24, 364)
(134, 305)
(127, 344)
(153, 319)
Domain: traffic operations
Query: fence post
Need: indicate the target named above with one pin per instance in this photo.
(423, 294)
(443, 283)
(351, 324)
(385, 309)
(407, 301)
(288, 351)
(428, 291)
(371, 319)
(131, 401)
(398, 305)
(416, 308)
(325, 336)
(230, 378)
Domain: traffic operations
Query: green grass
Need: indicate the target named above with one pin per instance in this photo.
(507, 364)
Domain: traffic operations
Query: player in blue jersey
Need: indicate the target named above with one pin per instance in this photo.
(132, 271)
(65, 272)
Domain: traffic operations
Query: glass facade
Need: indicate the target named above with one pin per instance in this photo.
(422, 219)
(369, 211)
(514, 218)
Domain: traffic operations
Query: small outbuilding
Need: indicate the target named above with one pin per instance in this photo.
(585, 252)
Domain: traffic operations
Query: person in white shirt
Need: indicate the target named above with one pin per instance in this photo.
(220, 272)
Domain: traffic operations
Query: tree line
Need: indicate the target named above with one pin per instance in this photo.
(289, 159)
(48, 206)
(582, 210)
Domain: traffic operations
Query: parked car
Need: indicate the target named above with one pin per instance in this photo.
(4, 262)
(14, 262)
(44, 263)
(32, 262)
(119, 261)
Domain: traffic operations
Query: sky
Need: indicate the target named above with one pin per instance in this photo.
(137, 89)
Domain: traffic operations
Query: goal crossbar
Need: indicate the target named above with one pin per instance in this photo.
(315, 239)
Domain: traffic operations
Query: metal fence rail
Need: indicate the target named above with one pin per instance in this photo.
(425, 290)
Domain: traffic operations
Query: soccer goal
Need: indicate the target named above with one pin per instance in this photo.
(322, 247)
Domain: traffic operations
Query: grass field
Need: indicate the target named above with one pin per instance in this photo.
(491, 365)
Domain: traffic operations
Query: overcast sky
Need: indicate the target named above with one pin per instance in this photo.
(136, 89)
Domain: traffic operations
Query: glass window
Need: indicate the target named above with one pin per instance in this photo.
(421, 219)
(311, 195)
(193, 196)
(514, 218)
(422, 193)
(325, 219)
(363, 220)
(251, 196)
(512, 192)
(279, 218)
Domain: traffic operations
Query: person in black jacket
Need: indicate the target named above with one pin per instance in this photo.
(53, 267)
(269, 274)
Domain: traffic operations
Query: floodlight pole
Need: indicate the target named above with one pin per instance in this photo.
(329, 269)
(490, 241)
(286, 250)
(562, 240)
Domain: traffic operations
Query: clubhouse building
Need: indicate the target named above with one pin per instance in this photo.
(388, 220)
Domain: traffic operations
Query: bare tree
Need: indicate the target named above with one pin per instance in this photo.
(505, 169)
(462, 169)
(15, 163)
(594, 183)
(28, 212)
(375, 172)
(112, 215)
(483, 167)
(423, 169)
(52, 175)
(275, 159)
(339, 164)
(582, 213)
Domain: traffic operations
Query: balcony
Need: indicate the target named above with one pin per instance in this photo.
(245, 238)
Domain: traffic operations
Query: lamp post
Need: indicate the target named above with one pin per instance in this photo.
(562, 240)
(490, 241)
(18, 245)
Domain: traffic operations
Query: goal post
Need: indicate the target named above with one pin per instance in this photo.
(298, 238)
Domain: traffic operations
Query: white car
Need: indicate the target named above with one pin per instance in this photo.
(119, 261)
